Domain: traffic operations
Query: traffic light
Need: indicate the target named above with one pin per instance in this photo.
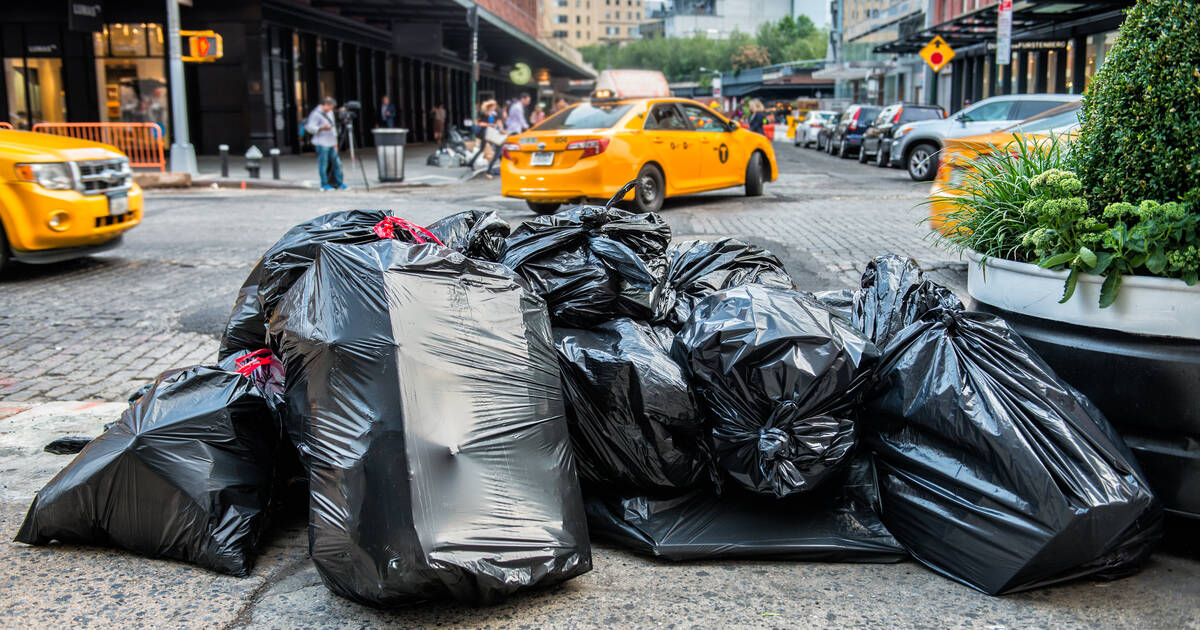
(201, 45)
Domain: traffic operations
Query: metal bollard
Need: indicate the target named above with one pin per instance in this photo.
(224, 149)
(253, 161)
(274, 163)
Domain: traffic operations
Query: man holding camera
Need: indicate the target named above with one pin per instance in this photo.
(322, 126)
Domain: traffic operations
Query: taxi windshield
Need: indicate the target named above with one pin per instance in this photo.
(586, 116)
(1064, 116)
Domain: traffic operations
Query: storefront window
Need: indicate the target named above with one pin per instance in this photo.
(35, 91)
(131, 75)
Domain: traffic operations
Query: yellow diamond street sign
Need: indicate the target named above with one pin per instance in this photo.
(937, 53)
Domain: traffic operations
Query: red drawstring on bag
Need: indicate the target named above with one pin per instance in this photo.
(250, 362)
(387, 229)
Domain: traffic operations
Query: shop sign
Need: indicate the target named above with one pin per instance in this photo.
(1052, 44)
(85, 15)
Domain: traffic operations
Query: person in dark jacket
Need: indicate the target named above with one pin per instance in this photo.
(758, 117)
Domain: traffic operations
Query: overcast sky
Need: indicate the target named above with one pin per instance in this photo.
(816, 10)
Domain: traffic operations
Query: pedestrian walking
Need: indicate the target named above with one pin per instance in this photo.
(321, 125)
(516, 122)
(757, 116)
(487, 133)
(387, 112)
(538, 115)
(439, 122)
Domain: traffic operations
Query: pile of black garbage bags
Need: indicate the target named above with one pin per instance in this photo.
(462, 406)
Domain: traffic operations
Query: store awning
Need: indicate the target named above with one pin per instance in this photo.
(979, 27)
(500, 42)
(844, 73)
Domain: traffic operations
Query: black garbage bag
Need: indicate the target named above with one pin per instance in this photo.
(432, 419)
(283, 263)
(698, 269)
(591, 264)
(635, 424)
(781, 377)
(838, 527)
(994, 472)
(186, 473)
(476, 233)
(895, 293)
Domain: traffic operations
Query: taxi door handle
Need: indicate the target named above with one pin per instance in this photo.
(659, 140)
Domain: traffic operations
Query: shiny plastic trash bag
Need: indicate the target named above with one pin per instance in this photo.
(895, 293)
(838, 526)
(283, 263)
(432, 421)
(781, 377)
(476, 233)
(186, 473)
(994, 472)
(591, 264)
(700, 268)
(635, 424)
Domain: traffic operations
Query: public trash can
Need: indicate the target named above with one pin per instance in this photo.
(389, 153)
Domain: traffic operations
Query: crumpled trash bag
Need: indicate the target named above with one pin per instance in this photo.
(431, 415)
(781, 377)
(68, 445)
(635, 424)
(894, 293)
(186, 473)
(280, 265)
(698, 269)
(475, 233)
(591, 264)
(994, 472)
(836, 526)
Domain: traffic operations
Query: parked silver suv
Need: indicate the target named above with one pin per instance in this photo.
(916, 146)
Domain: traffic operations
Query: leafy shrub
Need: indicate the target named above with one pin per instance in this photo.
(1150, 238)
(1141, 112)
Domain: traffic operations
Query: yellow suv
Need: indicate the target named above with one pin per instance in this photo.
(62, 198)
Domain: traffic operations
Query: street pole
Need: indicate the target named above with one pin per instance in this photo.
(183, 155)
(473, 20)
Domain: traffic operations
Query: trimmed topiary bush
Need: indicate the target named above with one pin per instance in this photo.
(1141, 113)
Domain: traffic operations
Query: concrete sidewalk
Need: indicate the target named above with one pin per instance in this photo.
(300, 171)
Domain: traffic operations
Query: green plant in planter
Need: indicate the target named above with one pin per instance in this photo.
(1150, 238)
(990, 217)
(1140, 137)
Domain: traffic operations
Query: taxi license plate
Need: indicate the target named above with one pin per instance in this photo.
(541, 158)
(118, 204)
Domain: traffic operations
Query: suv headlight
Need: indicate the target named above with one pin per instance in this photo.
(48, 175)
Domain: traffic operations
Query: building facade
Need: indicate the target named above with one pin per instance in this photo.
(718, 19)
(864, 75)
(1056, 47)
(584, 22)
(280, 58)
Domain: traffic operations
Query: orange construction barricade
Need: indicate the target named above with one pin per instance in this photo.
(141, 142)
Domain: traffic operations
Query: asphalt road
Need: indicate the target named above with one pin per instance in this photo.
(90, 331)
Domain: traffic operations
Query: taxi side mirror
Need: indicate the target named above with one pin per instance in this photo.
(732, 126)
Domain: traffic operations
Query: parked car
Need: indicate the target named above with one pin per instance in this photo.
(854, 122)
(826, 132)
(1061, 121)
(811, 126)
(915, 146)
(62, 198)
(877, 141)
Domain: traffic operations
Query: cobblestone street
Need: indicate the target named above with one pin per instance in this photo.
(96, 329)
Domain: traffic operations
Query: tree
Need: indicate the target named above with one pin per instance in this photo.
(750, 56)
(1140, 138)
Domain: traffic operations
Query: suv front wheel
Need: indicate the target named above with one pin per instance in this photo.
(922, 162)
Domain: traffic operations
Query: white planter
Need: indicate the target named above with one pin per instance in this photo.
(1162, 307)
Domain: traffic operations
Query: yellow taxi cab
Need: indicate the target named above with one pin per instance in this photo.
(958, 153)
(671, 146)
(62, 198)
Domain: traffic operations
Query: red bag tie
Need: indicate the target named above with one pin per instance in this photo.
(387, 229)
(246, 365)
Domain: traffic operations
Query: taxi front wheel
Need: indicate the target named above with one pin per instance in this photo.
(543, 208)
(651, 189)
(754, 176)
